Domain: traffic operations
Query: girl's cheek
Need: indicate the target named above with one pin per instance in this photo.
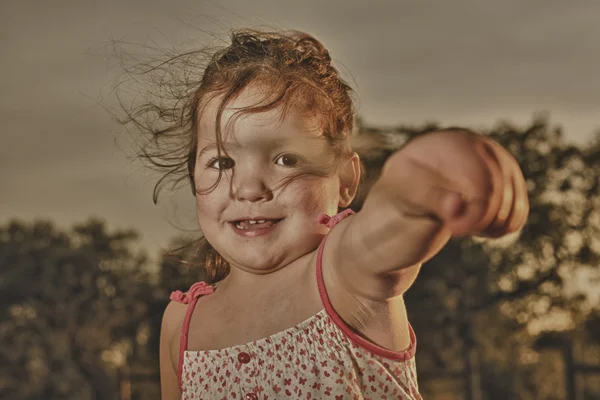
(312, 194)
(205, 179)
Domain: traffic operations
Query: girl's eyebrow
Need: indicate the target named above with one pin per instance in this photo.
(213, 146)
(274, 143)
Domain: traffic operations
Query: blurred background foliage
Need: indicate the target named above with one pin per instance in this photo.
(514, 318)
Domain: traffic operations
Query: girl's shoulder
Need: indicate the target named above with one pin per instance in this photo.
(194, 292)
(175, 315)
(175, 312)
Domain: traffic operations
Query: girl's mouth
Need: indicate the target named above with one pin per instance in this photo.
(254, 227)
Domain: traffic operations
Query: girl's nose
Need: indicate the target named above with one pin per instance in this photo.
(250, 186)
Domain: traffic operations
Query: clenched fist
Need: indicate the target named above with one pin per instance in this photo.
(468, 182)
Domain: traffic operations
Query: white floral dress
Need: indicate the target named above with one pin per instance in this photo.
(319, 358)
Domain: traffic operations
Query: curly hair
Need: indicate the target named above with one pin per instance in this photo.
(294, 68)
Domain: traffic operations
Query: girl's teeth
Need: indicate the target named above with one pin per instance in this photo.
(247, 224)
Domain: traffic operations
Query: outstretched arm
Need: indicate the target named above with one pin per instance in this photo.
(439, 185)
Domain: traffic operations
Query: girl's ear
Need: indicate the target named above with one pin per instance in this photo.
(349, 179)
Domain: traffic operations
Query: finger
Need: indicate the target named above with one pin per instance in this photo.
(521, 200)
(520, 204)
(502, 162)
(515, 208)
(508, 226)
(486, 200)
(507, 164)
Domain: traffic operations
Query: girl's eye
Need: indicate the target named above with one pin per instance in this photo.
(221, 163)
(287, 160)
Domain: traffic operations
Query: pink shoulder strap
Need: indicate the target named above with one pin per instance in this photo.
(335, 317)
(330, 222)
(191, 298)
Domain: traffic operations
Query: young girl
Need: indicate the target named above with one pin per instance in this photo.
(312, 305)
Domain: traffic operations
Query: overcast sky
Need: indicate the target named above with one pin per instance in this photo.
(463, 62)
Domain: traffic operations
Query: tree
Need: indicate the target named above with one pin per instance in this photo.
(179, 268)
(72, 303)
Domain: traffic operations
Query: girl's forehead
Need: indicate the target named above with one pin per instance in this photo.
(239, 125)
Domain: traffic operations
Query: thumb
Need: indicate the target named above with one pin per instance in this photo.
(451, 204)
(421, 191)
(437, 202)
(450, 208)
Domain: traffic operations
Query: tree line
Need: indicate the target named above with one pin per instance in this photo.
(81, 309)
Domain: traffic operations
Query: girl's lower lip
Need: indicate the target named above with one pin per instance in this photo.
(254, 232)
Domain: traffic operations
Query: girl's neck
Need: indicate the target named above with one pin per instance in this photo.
(240, 283)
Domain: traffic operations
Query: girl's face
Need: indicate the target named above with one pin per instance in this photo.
(262, 151)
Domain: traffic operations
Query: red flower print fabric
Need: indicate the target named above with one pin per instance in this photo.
(312, 360)
(320, 358)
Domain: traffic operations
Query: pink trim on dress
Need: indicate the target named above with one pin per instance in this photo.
(191, 298)
(196, 290)
(330, 222)
(335, 317)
